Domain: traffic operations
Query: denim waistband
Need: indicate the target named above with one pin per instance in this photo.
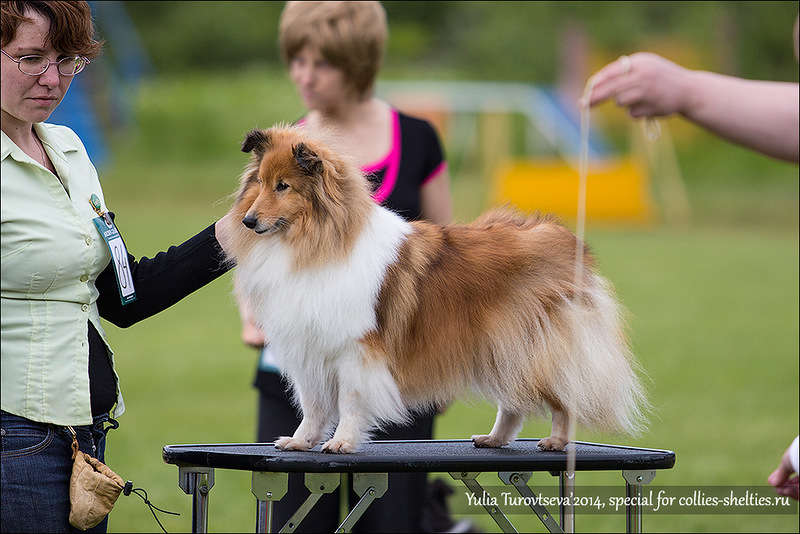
(98, 423)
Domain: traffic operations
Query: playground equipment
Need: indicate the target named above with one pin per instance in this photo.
(98, 100)
(478, 118)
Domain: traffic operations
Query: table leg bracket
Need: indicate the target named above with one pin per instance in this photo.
(267, 488)
(318, 484)
(634, 480)
(472, 484)
(520, 481)
(197, 482)
(368, 486)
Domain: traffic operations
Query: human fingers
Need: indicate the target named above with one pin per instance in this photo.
(629, 96)
(779, 476)
(794, 493)
(619, 67)
(603, 82)
(641, 110)
(611, 88)
(790, 489)
(252, 335)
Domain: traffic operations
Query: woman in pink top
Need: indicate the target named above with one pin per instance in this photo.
(333, 51)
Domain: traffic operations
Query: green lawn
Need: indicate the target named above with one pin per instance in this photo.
(713, 316)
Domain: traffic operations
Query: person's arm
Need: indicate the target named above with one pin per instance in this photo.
(163, 280)
(436, 204)
(761, 115)
(435, 199)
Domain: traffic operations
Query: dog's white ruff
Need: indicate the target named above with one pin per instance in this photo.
(314, 318)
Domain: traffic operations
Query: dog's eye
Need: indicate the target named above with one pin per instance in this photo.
(281, 186)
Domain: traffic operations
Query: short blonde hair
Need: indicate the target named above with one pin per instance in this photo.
(350, 36)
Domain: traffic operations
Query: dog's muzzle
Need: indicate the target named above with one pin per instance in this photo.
(254, 224)
(249, 221)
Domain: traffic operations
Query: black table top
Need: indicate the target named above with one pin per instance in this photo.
(422, 455)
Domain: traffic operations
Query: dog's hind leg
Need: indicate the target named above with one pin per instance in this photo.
(559, 434)
(506, 427)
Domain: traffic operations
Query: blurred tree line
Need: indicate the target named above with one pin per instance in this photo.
(514, 41)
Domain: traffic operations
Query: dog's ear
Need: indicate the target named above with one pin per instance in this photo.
(257, 140)
(306, 159)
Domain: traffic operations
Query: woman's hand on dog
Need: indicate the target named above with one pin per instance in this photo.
(222, 231)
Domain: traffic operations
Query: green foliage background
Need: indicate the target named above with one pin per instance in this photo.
(484, 40)
(713, 308)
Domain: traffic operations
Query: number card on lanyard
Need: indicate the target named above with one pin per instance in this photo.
(119, 253)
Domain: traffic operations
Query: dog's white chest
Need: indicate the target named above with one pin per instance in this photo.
(325, 307)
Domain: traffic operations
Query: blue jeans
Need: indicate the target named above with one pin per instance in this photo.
(36, 467)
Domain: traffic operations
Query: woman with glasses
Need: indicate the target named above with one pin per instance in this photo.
(64, 267)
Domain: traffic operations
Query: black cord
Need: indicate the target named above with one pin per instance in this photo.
(128, 489)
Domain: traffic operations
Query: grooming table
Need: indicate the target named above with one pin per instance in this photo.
(370, 466)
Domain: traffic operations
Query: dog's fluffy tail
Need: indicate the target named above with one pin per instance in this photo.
(573, 356)
(600, 386)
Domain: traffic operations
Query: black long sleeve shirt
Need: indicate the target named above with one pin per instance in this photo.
(160, 282)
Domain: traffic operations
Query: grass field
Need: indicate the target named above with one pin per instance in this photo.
(713, 315)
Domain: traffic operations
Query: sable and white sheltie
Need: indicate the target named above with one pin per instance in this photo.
(372, 316)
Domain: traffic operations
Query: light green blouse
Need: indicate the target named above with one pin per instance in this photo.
(51, 256)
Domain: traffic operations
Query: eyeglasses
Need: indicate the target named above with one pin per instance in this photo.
(35, 65)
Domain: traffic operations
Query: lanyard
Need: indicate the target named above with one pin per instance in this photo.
(119, 253)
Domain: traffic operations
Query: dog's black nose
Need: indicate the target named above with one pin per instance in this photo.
(249, 221)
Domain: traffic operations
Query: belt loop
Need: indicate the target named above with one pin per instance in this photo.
(75, 446)
(114, 425)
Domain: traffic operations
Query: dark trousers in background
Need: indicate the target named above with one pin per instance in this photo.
(399, 510)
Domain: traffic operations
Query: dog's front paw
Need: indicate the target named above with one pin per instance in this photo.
(487, 440)
(287, 443)
(553, 444)
(338, 446)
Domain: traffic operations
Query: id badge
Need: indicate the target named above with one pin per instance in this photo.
(119, 255)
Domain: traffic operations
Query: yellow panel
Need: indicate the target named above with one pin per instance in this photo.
(616, 189)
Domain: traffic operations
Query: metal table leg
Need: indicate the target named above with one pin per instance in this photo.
(634, 480)
(267, 488)
(469, 480)
(368, 486)
(567, 512)
(520, 481)
(318, 484)
(197, 482)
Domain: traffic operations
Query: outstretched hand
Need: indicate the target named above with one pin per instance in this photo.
(783, 481)
(647, 84)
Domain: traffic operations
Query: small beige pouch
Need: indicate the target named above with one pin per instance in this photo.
(93, 489)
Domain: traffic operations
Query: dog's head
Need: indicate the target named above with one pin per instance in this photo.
(297, 187)
(280, 188)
